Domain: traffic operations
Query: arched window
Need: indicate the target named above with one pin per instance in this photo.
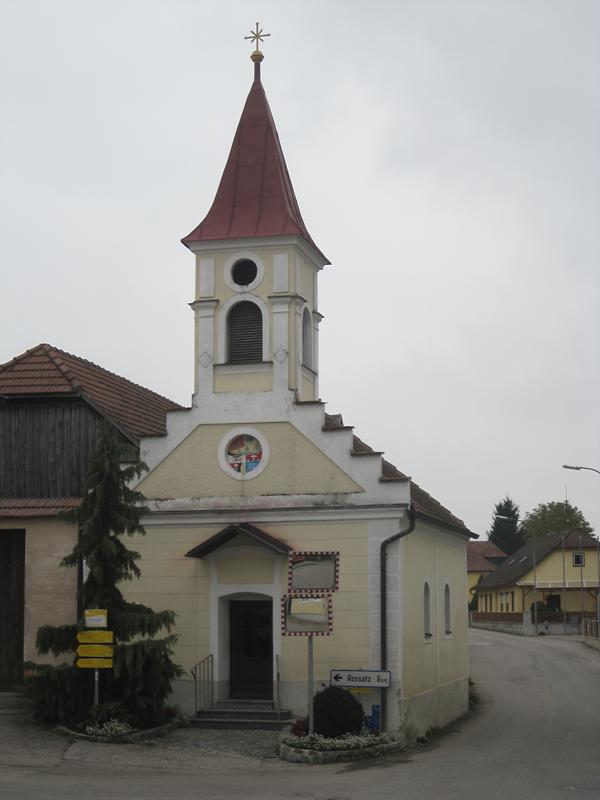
(447, 611)
(244, 334)
(307, 339)
(427, 611)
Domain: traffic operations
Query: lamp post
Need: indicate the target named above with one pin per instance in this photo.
(597, 471)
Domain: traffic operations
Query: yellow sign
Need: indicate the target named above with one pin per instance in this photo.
(95, 637)
(96, 617)
(100, 650)
(94, 663)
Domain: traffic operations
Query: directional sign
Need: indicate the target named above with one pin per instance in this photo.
(99, 650)
(354, 678)
(95, 637)
(95, 617)
(94, 663)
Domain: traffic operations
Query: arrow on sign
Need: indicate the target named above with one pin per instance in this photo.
(94, 663)
(98, 650)
(337, 677)
(95, 637)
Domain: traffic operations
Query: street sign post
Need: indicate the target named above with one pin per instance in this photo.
(94, 663)
(94, 646)
(360, 678)
(95, 650)
(95, 637)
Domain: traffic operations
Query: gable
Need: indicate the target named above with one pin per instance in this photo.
(295, 466)
(47, 371)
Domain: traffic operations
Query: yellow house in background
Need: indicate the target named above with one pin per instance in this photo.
(482, 558)
(560, 572)
(256, 471)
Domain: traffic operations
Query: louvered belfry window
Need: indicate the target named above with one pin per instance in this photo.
(244, 334)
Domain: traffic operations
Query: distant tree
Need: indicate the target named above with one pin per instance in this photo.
(505, 532)
(554, 517)
(143, 669)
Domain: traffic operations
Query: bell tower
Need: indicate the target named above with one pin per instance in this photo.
(256, 299)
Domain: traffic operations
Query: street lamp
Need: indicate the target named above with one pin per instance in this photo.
(597, 471)
(570, 466)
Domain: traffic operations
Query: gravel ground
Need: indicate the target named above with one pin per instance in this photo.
(25, 742)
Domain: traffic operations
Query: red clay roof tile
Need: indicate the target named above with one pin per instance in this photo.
(36, 506)
(423, 502)
(255, 196)
(47, 370)
(477, 556)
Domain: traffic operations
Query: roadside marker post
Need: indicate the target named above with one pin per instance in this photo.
(95, 648)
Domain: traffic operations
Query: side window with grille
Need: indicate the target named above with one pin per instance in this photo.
(244, 334)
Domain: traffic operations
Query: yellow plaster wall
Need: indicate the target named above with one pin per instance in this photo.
(307, 390)
(500, 600)
(254, 567)
(172, 581)
(306, 284)
(244, 382)
(296, 466)
(473, 579)
(437, 558)
(551, 567)
(50, 590)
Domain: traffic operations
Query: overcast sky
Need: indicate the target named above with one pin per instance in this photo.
(445, 157)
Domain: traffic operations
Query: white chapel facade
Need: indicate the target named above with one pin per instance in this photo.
(256, 469)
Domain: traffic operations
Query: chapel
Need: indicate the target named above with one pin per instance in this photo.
(272, 524)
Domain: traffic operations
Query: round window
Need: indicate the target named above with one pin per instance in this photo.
(244, 272)
(243, 454)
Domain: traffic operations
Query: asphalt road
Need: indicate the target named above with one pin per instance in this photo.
(535, 735)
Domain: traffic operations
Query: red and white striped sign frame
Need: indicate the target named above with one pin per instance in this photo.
(318, 590)
(328, 632)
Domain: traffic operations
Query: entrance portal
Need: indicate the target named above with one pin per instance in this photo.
(251, 649)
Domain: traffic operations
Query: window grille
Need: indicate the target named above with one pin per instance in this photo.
(244, 334)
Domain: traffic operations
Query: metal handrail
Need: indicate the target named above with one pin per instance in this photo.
(202, 673)
(277, 680)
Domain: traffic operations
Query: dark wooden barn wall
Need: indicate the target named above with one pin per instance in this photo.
(45, 447)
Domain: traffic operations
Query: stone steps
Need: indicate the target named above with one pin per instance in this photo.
(238, 715)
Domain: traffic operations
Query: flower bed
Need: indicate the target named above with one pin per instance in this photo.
(121, 736)
(317, 749)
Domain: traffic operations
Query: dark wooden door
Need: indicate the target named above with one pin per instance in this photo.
(251, 649)
(12, 600)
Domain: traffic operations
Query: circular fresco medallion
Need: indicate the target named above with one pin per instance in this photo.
(244, 454)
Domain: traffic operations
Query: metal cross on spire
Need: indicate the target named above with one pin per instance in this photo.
(256, 37)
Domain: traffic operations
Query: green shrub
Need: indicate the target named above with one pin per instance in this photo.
(60, 694)
(337, 712)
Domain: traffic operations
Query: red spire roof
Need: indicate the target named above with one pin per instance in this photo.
(255, 196)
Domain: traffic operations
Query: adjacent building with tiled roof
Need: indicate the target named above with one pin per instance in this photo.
(51, 406)
(45, 371)
(560, 572)
(482, 558)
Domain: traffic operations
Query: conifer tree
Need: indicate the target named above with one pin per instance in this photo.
(505, 532)
(143, 669)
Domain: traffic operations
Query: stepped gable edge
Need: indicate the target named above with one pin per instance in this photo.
(423, 503)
